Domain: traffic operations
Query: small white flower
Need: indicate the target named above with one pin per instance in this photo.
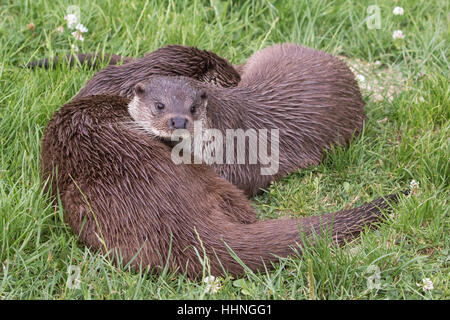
(398, 11)
(60, 29)
(212, 284)
(398, 34)
(74, 47)
(414, 186)
(72, 20)
(81, 28)
(426, 284)
(360, 78)
(78, 35)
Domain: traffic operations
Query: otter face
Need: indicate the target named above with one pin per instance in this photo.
(165, 104)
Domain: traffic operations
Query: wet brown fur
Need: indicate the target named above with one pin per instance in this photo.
(122, 194)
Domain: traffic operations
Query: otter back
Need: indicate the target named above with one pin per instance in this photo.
(310, 98)
(191, 62)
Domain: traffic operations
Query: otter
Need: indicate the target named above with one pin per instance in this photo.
(310, 96)
(122, 194)
(202, 65)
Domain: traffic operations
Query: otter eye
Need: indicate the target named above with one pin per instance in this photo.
(193, 109)
(159, 105)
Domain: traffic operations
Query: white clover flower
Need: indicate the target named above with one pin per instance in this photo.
(74, 47)
(426, 285)
(398, 11)
(77, 35)
(360, 78)
(212, 284)
(60, 29)
(72, 20)
(81, 28)
(414, 186)
(398, 34)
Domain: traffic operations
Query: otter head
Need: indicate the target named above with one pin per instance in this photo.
(165, 104)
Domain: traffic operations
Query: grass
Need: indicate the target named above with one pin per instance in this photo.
(406, 137)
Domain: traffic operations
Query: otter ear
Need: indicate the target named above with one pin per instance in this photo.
(203, 94)
(139, 89)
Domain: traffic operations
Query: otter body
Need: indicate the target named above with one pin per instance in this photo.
(122, 194)
(310, 96)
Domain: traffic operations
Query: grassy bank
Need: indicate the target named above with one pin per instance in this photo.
(406, 137)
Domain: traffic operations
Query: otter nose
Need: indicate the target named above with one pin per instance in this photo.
(178, 123)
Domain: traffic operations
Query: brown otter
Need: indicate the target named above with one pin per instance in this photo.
(122, 194)
(310, 96)
(173, 60)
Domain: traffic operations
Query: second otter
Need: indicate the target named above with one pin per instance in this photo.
(309, 96)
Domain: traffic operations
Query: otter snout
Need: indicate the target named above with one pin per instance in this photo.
(178, 123)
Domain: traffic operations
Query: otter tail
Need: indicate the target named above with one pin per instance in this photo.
(258, 244)
(91, 60)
